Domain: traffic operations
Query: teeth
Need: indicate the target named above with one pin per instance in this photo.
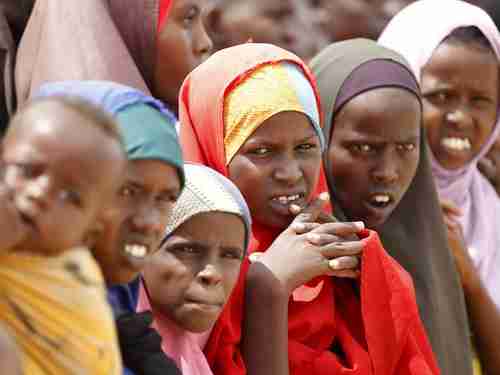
(137, 251)
(381, 198)
(285, 199)
(454, 143)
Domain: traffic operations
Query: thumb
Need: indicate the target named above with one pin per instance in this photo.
(311, 212)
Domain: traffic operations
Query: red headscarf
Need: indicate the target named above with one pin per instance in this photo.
(164, 10)
(382, 335)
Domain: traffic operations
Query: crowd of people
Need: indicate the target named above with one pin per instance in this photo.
(231, 187)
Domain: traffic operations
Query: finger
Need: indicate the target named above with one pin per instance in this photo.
(326, 218)
(341, 229)
(311, 211)
(322, 239)
(344, 263)
(450, 208)
(341, 249)
(301, 228)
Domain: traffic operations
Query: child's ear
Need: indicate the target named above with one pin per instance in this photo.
(93, 234)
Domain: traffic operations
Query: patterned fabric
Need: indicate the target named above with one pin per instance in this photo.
(56, 309)
(267, 91)
(208, 191)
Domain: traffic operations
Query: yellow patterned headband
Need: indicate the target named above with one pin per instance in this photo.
(267, 91)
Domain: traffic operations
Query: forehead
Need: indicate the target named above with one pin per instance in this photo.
(227, 229)
(153, 175)
(385, 112)
(451, 60)
(57, 136)
(285, 126)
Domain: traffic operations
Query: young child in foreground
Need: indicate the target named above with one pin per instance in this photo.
(63, 159)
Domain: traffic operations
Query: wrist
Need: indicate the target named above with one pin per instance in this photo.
(265, 280)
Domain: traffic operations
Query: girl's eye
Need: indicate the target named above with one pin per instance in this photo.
(233, 254)
(188, 250)
(71, 196)
(260, 151)
(306, 147)
(24, 170)
(126, 192)
(406, 147)
(190, 17)
(363, 148)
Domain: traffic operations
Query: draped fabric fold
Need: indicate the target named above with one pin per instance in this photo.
(57, 310)
(377, 332)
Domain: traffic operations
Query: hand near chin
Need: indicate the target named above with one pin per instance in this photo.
(307, 249)
(456, 240)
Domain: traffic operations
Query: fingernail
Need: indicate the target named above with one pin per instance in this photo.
(359, 225)
(334, 264)
(299, 227)
(295, 208)
(313, 237)
(254, 257)
(324, 196)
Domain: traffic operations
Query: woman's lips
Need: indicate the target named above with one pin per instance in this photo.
(281, 203)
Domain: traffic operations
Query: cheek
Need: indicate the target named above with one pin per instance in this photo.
(342, 164)
(231, 273)
(167, 279)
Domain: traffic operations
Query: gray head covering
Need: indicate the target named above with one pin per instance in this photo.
(414, 234)
(206, 191)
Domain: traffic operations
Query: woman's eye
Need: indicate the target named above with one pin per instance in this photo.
(306, 147)
(188, 250)
(406, 147)
(260, 151)
(233, 254)
(363, 148)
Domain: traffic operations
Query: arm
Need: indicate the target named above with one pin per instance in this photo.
(484, 315)
(301, 253)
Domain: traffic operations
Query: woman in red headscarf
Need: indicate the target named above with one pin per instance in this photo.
(251, 113)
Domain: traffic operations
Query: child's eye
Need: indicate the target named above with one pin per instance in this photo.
(25, 170)
(406, 147)
(260, 151)
(190, 17)
(233, 254)
(126, 192)
(71, 196)
(306, 147)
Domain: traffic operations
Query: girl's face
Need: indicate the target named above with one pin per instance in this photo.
(190, 279)
(182, 45)
(135, 221)
(278, 165)
(374, 152)
(460, 89)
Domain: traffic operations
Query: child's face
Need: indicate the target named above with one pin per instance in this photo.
(182, 45)
(60, 175)
(374, 153)
(135, 222)
(191, 278)
(278, 165)
(460, 87)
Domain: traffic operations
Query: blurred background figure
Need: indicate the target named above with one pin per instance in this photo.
(345, 19)
(291, 24)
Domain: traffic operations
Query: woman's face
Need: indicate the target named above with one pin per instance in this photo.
(191, 278)
(278, 165)
(182, 45)
(460, 89)
(135, 222)
(374, 153)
